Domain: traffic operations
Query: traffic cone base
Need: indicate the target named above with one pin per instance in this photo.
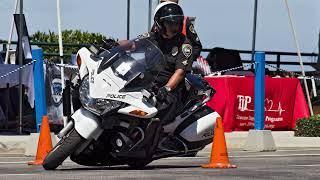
(219, 165)
(44, 143)
(219, 154)
(35, 162)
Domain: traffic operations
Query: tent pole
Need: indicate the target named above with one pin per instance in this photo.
(61, 54)
(20, 64)
(254, 32)
(319, 48)
(300, 58)
(11, 31)
(149, 15)
(128, 19)
(60, 43)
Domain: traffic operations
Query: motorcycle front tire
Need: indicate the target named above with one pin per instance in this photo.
(139, 164)
(66, 146)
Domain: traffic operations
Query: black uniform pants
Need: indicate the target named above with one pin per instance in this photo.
(168, 109)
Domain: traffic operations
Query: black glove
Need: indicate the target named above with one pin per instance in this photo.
(162, 93)
(109, 43)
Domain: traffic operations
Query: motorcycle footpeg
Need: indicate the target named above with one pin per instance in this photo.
(172, 144)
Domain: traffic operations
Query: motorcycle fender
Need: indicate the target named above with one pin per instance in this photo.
(84, 53)
(87, 124)
(200, 129)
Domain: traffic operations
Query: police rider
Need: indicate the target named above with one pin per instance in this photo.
(177, 51)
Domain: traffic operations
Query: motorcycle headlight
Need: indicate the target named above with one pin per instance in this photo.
(95, 105)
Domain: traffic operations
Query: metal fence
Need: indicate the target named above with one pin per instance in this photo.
(277, 61)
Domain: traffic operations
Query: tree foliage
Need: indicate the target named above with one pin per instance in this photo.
(308, 127)
(68, 37)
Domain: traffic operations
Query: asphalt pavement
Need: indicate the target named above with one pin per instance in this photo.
(293, 163)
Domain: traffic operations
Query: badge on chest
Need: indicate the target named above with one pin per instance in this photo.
(174, 51)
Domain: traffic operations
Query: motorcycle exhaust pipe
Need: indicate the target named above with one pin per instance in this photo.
(65, 130)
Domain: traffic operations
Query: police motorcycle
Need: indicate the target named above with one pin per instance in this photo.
(116, 122)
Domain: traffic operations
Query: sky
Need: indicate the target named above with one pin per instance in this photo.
(219, 23)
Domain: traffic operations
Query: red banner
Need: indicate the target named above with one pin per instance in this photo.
(234, 101)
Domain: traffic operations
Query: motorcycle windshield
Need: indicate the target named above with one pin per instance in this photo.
(137, 61)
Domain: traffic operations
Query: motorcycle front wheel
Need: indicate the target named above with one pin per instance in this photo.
(66, 146)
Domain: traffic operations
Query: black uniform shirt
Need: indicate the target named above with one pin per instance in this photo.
(177, 52)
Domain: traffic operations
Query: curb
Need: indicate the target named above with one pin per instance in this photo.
(13, 144)
(282, 139)
(22, 144)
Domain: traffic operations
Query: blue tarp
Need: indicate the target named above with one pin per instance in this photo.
(13, 79)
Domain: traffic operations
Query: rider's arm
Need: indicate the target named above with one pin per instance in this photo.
(183, 65)
(175, 79)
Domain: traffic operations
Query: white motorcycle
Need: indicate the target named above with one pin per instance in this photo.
(117, 121)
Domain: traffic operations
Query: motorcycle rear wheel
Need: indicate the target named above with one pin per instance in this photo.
(62, 150)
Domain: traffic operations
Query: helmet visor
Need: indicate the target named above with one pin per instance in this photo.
(173, 19)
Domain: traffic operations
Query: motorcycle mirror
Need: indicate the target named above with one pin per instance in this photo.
(146, 93)
(129, 82)
(106, 62)
(93, 49)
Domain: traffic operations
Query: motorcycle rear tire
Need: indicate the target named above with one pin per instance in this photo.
(62, 150)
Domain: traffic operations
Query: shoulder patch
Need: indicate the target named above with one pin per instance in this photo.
(144, 35)
(187, 50)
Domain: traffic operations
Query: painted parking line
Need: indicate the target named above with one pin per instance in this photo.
(16, 162)
(1, 175)
(299, 150)
(273, 155)
(249, 156)
(306, 165)
(25, 162)
(13, 157)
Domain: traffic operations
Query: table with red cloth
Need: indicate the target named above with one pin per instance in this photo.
(285, 102)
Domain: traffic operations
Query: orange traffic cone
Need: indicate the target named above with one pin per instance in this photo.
(44, 143)
(219, 153)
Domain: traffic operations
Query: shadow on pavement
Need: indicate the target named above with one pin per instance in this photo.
(121, 168)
